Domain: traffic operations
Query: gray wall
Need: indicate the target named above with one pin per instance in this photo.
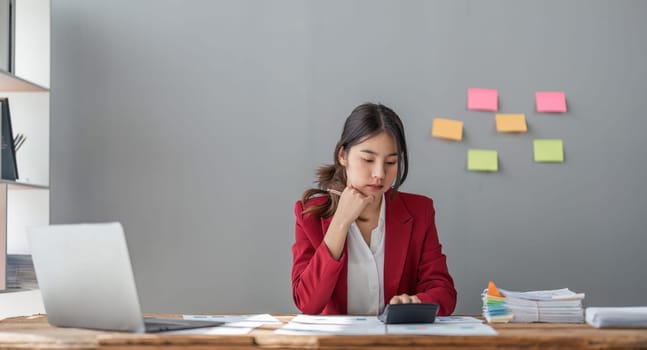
(199, 123)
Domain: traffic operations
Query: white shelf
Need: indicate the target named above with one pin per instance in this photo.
(25, 202)
(17, 185)
(21, 303)
(12, 83)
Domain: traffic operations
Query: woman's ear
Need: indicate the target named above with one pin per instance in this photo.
(342, 157)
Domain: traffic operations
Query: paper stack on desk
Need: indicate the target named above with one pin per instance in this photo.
(617, 317)
(556, 305)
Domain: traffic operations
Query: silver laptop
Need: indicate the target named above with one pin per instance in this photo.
(86, 279)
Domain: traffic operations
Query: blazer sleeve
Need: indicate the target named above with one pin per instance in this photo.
(435, 284)
(314, 271)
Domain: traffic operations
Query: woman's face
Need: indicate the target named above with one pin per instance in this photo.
(371, 165)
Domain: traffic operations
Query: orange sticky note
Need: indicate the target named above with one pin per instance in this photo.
(483, 99)
(511, 123)
(493, 290)
(447, 129)
(550, 101)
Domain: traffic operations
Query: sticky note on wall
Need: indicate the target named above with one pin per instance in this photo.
(482, 99)
(550, 101)
(548, 150)
(511, 123)
(482, 160)
(447, 129)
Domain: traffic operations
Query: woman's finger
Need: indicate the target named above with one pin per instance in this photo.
(405, 299)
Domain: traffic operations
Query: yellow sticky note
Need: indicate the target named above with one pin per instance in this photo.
(482, 160)
(447, 129)
(548, 150)
(511, 123)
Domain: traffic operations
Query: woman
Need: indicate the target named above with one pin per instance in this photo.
(359, 242)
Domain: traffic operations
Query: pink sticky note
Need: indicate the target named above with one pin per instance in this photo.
(551, 101)
(483, 99)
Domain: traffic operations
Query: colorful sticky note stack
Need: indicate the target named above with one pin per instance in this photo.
(494, 309)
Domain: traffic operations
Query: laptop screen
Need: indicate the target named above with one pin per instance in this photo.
(85, 276)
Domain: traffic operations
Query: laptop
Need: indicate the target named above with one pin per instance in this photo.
(86, 280)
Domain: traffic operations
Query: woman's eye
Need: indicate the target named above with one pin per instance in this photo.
(391, 163)
(368, 160)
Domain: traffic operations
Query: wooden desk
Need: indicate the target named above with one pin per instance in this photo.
(34, 333)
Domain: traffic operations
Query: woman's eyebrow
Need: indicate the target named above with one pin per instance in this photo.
(376, 154)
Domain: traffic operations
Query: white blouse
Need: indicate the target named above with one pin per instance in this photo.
(366, 269)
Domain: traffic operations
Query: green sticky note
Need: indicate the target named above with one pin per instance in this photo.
(482, 160)
(548, 150)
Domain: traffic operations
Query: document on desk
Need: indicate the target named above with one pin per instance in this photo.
(370, 325)
(337, 319)
(234, 324)
(461, 329)
(617, 317)
(338, 325)
(226, 329)
(456, 319)
(259, 318)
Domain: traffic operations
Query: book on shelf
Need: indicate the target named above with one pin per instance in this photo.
(20, 272)
(9, 164)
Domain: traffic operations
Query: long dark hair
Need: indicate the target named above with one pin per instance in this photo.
(366, 120)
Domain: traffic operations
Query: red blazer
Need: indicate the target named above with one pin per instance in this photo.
(413, 259)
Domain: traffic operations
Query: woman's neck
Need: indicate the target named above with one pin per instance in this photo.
(373, 209)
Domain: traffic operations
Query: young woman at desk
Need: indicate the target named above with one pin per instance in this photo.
(360, 243)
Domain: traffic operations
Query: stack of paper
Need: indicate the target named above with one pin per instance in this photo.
(617, 317)
(557, 305)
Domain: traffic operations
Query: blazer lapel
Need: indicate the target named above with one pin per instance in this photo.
(397, 235)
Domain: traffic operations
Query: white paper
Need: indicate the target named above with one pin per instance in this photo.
(617, 317)
(338, 320)
(370, 325)
(339, 325)
(234, 324)
(552, 294)
(462, 329)
(297, 328)
(234, 328)
(456, 319)
(258, 318)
